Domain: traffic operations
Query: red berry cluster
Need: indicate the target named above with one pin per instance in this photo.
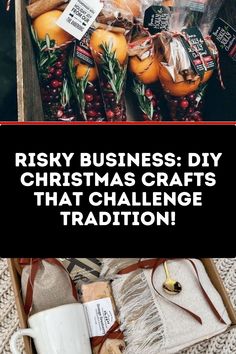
(94, 105)
(150, 95)
(185, 108)
(51, 89)
(114, 111)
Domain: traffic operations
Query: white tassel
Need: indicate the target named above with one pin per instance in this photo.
(140, 320)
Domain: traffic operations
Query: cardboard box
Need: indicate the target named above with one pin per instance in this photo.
(208, 263)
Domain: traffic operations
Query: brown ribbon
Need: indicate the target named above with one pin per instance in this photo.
(35, 263)
(154, 264)
(113, 333)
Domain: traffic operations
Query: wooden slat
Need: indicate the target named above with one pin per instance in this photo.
(28, 93)
(19, 303)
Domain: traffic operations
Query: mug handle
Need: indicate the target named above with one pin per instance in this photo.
(22, 332)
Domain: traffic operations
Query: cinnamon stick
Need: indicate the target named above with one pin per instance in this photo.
(39, 7)
(62, 7)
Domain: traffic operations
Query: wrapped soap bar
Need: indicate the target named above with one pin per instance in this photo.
(101, 311)
(45, 284)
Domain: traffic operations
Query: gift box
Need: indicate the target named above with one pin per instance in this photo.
(208, 264)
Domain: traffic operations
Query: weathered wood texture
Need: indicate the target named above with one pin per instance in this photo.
(28, 93)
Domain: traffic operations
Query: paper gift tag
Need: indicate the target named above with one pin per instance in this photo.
(157, 19)
(100, 316)
(198, 51)
(79, 16)
(224, 37)
(82, 50)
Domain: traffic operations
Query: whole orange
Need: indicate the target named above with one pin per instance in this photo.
(147, 70)
(117, 40)
(82, 69)
(46, 24)
(134, 6)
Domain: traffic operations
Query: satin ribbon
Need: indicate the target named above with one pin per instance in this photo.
(35, 264)
(154, 264)
(112, 333)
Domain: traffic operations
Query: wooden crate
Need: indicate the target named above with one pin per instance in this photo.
(208, 263)
(28, 92)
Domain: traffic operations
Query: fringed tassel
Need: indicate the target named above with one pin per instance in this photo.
(140, 320)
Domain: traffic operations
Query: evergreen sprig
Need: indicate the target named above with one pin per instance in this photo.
(112, 69)
(144, 103)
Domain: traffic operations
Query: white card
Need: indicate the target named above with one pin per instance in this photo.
(78, 16)
(100, 316)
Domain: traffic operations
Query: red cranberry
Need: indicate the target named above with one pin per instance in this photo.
(184, 104)
(156, 116)
(88, 97)
(59, 73)
(55, 83)
(97, 105)
(59, 113)
(148, 93)
(192, 97)
(108, 86)
(49, 77)
(51, 70)
(110, 114)
(145, 117)
(59, 64)
(59, 84)
(92, 113)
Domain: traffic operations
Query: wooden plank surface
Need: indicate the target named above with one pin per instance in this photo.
(28, 93)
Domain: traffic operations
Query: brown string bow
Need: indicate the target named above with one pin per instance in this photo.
(113, 333)
(154, 264)
(35, 264)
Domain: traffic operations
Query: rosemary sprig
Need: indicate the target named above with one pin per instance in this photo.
(112, 69)
(144, 103)
(46, 57)
(79, 86)
(65, 93)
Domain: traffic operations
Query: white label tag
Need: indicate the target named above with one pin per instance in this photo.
(100, 316)
(78, 16)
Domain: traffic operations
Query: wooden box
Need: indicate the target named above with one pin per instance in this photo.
(208, 263)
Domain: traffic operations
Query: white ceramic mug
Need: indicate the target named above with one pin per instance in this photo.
(60, 330)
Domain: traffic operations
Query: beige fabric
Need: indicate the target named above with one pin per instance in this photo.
(52, 287)
(151, 324)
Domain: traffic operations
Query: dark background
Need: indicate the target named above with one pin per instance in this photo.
(220, 104)
(199, 230)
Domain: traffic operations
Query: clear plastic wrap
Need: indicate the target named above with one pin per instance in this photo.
(85, 82)
(109, 46)
(52, 50)
(183, 84)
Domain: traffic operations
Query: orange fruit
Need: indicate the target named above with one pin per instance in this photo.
(133, 6)
(82, 69)
(147, 70)
(207, 76)
(118, 40)
(176, 89)
(167, 3)
(46, 24)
